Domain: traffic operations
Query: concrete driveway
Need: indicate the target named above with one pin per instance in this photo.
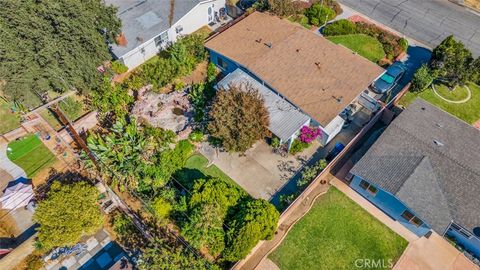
(433, 253)
(429, 22)
(259, 171)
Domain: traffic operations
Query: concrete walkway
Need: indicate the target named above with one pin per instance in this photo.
(7, 165)
(433, 253)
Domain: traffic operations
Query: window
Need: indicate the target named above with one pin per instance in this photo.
(407, 215)
(460, 230)
(221, 63)
(162, 39)
(412, 218)
(366, 186)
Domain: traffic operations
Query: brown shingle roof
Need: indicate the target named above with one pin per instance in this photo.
(306, 69)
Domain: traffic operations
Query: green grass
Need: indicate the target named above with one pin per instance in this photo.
(459, 93)
(8, 120)
(30, 154)
(72, 107)
(364, 45)
(51, 119)
(468, 111)
(196, 168)
(335, 233)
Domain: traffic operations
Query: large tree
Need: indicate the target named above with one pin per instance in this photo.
(208, 206)
(452, 61)
(239, 117)
(67, 213)
(53, 45)
(256, 220)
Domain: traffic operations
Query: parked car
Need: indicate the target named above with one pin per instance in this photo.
(389, 79)
(335, 151)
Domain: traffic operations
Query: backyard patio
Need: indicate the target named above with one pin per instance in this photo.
(259, 171)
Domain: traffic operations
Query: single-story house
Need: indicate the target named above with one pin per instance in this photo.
(316, 77)
(149, 26)
(424, 172)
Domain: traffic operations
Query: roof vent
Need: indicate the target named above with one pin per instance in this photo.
(438, 143)
(258, 40)
(317, 64)
(439, 125)
(297, 50)
(269, 44)
(423, 108)
(338, 99)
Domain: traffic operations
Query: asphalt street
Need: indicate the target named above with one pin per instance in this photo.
(427, 21)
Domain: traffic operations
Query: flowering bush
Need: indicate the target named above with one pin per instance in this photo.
(308, 134)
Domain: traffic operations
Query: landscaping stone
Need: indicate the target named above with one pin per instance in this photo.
(168, 111)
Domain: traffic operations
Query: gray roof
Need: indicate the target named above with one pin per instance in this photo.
(285, 119)
(431, 161)
(146, 19)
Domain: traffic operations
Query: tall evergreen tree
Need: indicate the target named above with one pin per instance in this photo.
(53, 45)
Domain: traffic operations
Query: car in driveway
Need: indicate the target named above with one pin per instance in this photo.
(389, 78)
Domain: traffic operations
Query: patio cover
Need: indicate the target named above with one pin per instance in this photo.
(16, 196)
(285, 118)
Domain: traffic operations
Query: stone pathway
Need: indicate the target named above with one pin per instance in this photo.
(7, 165)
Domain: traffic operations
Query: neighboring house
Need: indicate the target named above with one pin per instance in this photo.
(312, 77)
(424, 172)
(148, 26)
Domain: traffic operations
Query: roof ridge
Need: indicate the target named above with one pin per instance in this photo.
(410, 174)
(436, 150)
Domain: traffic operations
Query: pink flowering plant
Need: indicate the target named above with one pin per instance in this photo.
(308, 134)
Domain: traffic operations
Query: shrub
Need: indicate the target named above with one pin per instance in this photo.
(421, 79)
(318, 14)
(308, 134)
(403, 43)
(178, 85)
(196, 136)
(390, 42)
(275, 142)
(287, 199)
(161, 208)
(340, 27)
(310, 172)
(300, 19)
(118, 67)
(255, 220)
(298, 146)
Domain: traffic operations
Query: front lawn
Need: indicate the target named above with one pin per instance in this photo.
(30, 154)
(196, 168)
(8, 119)
(468, 111)
(334, 234)
(367, 46)
(457, 94)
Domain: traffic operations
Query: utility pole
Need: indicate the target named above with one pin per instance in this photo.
(74, 133)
